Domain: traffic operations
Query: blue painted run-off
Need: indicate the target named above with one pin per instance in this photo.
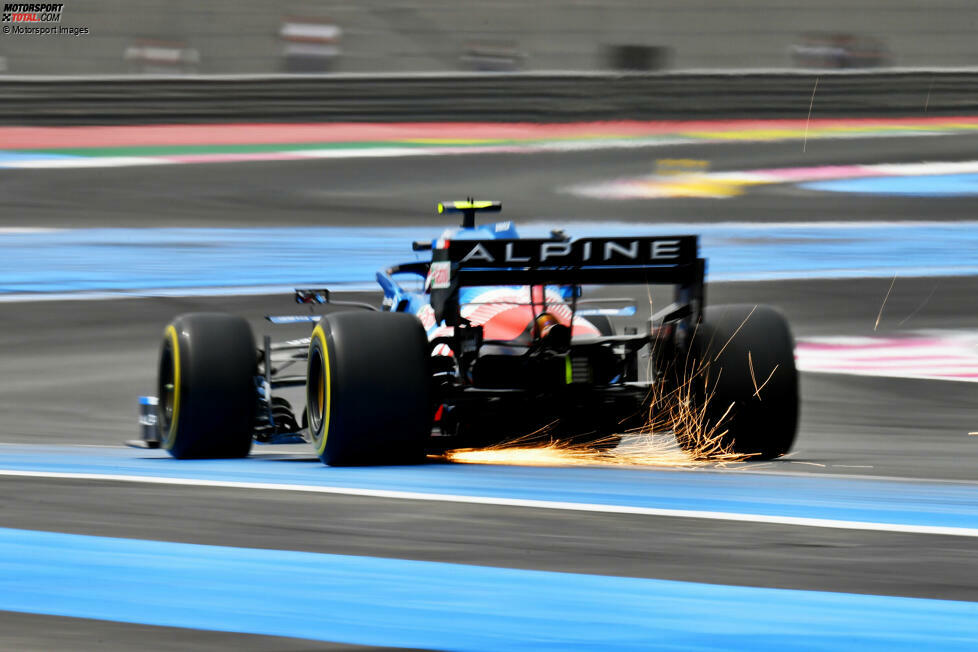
(183, 258)
(862, 500)
(392, 602)
(7, 157)
(934, 185)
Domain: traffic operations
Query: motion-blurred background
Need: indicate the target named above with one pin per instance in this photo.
(823, 150)
(255, 36)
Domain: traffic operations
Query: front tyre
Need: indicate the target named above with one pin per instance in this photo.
(369, 389)
(206, 386)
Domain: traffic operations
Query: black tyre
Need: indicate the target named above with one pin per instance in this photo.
(369, 389)
(745, 385)
(207, 397)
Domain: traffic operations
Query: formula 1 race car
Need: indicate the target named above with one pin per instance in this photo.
(497, 344)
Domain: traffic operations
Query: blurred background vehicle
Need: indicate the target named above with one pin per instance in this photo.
(838, 51)
(492, 56)
(309, 44)
(155, 57)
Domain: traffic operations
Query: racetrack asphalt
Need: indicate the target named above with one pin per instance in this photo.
(73, 370)
(403, 191)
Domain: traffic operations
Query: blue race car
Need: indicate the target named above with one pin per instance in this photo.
(498, 344)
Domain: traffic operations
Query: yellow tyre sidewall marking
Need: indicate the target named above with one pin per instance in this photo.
(171, 435)
(318, 334)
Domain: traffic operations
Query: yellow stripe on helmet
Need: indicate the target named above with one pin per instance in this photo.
(466, 205)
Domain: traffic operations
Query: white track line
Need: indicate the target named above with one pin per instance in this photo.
(83, 162)
(514, 502)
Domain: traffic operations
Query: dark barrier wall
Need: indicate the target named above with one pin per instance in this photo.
(485, 97)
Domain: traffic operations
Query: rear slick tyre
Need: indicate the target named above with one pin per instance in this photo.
(206, 386)
(744, 360)
(369, 389)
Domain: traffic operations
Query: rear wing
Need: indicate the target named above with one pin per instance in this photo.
(656, 260)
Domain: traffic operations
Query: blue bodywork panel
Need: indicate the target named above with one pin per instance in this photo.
(402, 300)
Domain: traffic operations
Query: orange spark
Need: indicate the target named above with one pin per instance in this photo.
(880, 315)
(676, 433)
